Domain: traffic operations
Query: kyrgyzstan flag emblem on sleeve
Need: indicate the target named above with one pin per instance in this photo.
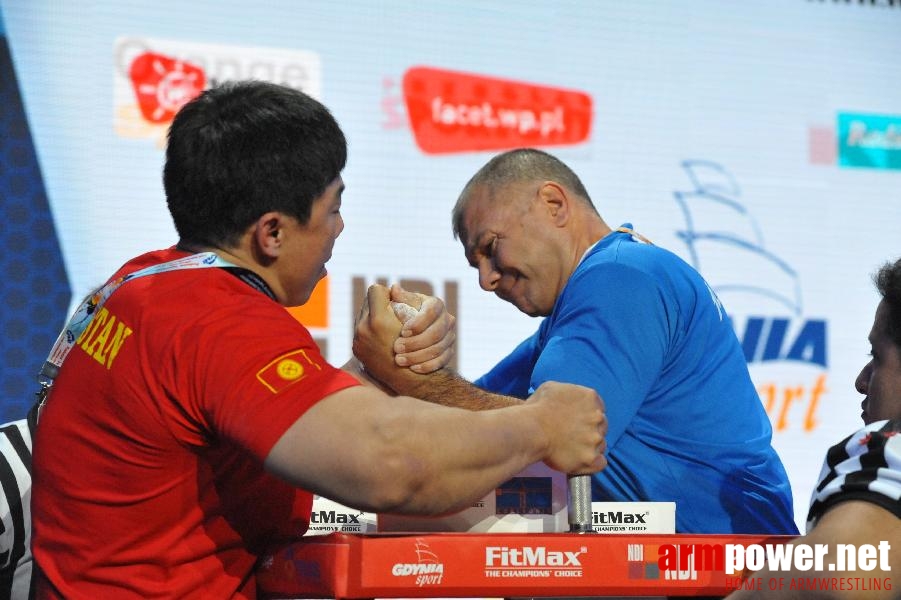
(285, 370)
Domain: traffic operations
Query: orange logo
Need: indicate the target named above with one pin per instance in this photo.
(163, 85)
(460, 112)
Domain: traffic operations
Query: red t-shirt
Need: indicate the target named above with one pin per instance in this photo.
(148, 477)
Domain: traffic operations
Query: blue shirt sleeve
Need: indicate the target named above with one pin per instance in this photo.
(610, 331)
(511, 375)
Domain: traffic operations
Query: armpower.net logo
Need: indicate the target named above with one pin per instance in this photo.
(792, 566)
(460, 112)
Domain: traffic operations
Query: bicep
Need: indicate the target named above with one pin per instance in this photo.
(325, 449)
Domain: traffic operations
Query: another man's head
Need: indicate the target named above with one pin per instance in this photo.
(255, 167)
(524, 220)
(880, 379)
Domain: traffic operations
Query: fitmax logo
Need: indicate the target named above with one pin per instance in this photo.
(331, 516)
(528, 556)
(611, 517)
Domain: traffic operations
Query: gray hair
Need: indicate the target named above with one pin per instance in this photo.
(517, 166)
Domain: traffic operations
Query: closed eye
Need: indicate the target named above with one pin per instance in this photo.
(489, 249)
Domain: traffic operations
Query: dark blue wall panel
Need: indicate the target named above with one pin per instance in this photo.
(35, 290)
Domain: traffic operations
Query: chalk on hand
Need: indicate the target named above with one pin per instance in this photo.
(404, 312)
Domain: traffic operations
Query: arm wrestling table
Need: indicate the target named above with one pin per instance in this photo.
(466, 565)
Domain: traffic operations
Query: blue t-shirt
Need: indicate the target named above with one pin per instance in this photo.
(643, 328)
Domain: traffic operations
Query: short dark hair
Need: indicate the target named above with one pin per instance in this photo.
(888, 282)
(516, 166)
(242, 149)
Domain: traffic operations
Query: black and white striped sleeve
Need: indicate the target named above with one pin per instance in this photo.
(15, 509)
(864, 466)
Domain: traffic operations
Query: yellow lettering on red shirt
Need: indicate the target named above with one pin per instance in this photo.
(112, 349)
(88, 332)
(99, 342)
(96, 341)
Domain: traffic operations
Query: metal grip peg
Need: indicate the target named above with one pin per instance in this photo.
(579, 503)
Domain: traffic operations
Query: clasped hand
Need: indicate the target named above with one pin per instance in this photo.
(423, 343)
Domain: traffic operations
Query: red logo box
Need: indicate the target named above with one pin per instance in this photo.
(460, 112)
(163, 85)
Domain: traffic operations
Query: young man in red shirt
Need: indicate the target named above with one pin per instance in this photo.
(194, 418)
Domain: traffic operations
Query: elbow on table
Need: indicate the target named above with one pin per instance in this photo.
(405, 482)
(399, 484)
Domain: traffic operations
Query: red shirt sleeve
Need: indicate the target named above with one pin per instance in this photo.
(265, 373)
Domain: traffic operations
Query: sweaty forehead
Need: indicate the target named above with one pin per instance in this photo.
(487, 199)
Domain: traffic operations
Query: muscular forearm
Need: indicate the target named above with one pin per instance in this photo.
(407, 456)
(404, 455)
(472, 452)
(448, 388)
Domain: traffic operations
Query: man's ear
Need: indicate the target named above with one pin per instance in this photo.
(268, 234)
(555, 200)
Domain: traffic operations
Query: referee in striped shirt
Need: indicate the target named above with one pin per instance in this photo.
(15, 509)
(857, 500)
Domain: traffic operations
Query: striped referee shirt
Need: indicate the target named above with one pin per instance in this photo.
(15, 508)
(866, 465)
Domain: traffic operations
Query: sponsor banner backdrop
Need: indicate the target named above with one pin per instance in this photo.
(760, 141)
